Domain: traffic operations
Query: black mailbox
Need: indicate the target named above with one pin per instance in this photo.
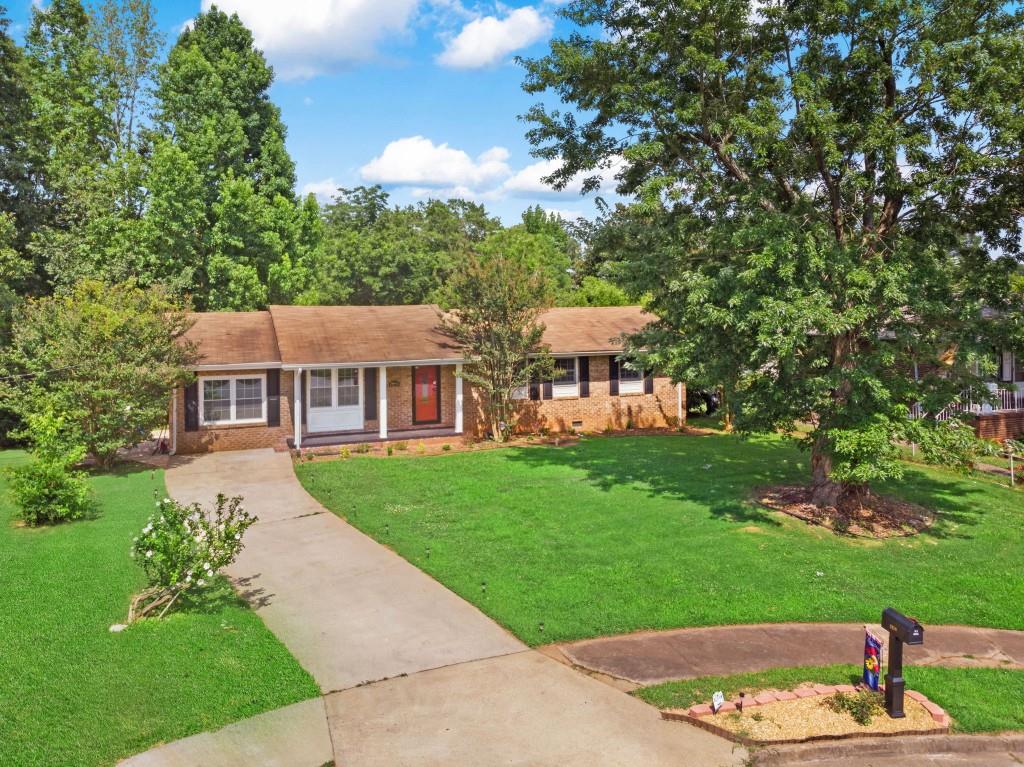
(902, 630)
(907, 630)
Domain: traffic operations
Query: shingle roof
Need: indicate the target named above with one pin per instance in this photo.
(333, 334)
(309, 335)
(591, 328)
(233, 338)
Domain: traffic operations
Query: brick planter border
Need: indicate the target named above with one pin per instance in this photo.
(702, 716)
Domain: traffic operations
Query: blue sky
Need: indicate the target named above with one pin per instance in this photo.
(420, 96)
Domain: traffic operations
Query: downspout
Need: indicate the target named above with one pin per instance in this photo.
(174, 421)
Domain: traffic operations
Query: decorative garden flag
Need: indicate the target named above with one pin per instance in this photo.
(872, 660)
(717, 700)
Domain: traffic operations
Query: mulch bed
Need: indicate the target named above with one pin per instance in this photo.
(875, 516)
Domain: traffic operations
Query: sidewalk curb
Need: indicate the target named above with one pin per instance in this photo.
(859, 749)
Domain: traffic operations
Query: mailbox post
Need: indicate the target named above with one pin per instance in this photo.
(902, 630)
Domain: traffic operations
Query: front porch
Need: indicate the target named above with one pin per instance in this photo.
(372, 437)
(340, 404)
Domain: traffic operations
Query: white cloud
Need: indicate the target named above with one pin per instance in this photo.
(528, 182)
(324, 190)
(567, 215)
(304, 38)
(486, 41)
(308, 101)
(421, 169)
(417, 161)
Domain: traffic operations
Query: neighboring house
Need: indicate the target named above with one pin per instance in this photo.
(304, 376)
(1002, 417)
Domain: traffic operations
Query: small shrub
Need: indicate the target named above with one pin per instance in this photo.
(948, 443)
(862, 706)
(401, 446)
(363, 448)
(183, 547)
(841, 524)
(49, 489)
(391, 450)
(446, 447)
(345, 453)
(421, 449)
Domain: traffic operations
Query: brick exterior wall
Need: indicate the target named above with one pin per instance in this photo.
(250, 436)
(235, 437)
(599, 412)
(1000, 426)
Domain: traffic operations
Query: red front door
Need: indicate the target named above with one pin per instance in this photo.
(426, 394)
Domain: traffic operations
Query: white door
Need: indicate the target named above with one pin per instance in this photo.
(335, 399)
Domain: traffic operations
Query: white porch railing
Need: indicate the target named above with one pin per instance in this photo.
(1010, 398)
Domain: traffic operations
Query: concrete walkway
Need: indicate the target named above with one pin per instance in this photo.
(411, 673)
(653, 657)
(293, 736)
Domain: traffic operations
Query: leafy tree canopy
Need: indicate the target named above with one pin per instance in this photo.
(827, 195)
(101, 358)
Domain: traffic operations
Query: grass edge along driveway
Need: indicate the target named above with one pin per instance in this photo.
(619, 534)
(75, 694)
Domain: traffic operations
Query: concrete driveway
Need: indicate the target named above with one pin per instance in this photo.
(350, 610)
(411, 673)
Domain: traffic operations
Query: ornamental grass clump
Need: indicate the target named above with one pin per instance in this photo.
(862, 705)
(182, 548)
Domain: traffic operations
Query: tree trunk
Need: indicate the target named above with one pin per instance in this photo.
(726, 409)
(826, 491)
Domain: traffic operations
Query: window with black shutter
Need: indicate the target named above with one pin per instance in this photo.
(192, 406)
(613, 376)
(273, 398)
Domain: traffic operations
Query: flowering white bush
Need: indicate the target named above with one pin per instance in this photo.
(183, 547)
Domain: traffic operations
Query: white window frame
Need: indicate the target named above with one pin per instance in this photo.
(232, 394)
(334, 388)
(567, 391)
(630, 386)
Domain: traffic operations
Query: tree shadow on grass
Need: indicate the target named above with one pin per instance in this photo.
(720, 471)
(215, 599)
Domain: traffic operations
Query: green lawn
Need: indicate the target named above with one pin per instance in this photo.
(624, 533)
(71, 692)
(978, 699)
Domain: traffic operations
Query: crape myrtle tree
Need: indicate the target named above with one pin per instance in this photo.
(825, 197)
(497, 324)
(101, 358)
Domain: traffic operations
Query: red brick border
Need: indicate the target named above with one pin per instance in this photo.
(702, 716)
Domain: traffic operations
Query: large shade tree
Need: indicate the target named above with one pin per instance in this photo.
(826, 196)
(222, 222)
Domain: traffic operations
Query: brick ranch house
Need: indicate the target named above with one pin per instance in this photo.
(305, 376)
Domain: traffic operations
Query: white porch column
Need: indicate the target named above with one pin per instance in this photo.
(458, 398)
(297, 408)
(382, 404)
